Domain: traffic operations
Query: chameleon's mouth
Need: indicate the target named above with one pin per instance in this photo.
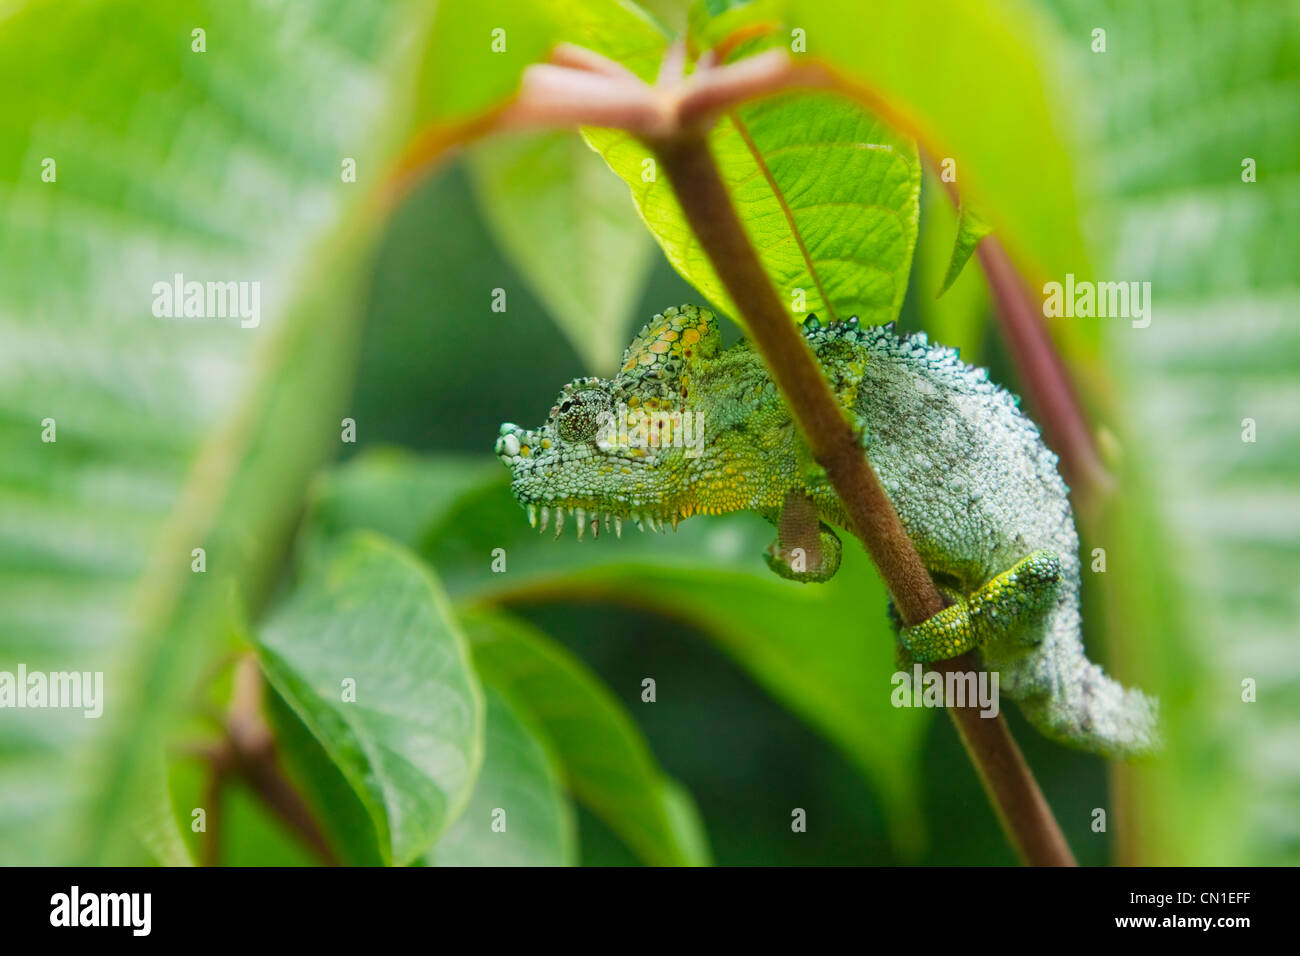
(540, 516)
(517, 448)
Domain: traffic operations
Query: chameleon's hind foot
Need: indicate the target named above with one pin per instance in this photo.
(806, 549)
(1009, 604)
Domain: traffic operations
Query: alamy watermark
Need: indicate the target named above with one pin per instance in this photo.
(179, 299)
(921, 688)
(1102, 300)
(53, 689)
(130, 910)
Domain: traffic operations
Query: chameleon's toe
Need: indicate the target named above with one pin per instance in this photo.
(1012, 603)
(903, 658)
(948, 634)
(811, 565)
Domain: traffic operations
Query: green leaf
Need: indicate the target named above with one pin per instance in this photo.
(518, 814)
(604, 759)
(943, 70)
(391, 492)
(685, 821)
(172, 433)
(971, 228)
(958, 318)
(1203, 547)
(595, 255)
(712, 21)
(479, 48)
(335, 805)
(370, 658)
(824, 651)
(156, 823)
(826, 192)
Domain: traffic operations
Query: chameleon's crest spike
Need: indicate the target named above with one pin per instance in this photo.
(559, 522)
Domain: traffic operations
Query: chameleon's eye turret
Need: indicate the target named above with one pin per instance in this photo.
(580, 414)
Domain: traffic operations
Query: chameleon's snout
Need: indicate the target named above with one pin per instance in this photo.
(508, 443)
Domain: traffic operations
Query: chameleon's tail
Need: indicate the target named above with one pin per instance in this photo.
(1097, 713)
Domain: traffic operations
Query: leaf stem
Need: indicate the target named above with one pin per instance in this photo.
(248, 752)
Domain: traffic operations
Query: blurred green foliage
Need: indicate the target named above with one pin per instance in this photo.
(481, 688)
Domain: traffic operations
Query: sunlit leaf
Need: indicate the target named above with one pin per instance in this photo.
(958, 318)
(479, 48)
(990, 93)
(971, 228)
(826, 192)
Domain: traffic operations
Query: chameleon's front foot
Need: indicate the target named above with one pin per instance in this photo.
(806, 565)
(805, 550)
(1008, 605)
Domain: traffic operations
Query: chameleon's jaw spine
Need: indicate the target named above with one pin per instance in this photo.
(539, 517)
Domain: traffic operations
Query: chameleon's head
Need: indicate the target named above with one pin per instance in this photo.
(617, 450)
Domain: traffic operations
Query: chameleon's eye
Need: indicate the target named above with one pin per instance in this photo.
(581, 415)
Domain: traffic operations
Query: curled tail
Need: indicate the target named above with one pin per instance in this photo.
(1095, 712)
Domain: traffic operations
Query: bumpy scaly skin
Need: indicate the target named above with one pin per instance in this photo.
(975, 487)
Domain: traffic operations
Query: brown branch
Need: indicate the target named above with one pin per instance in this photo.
(582, 88)
(255, 757)
(1044, 377)
(248, 752)
(213, 799)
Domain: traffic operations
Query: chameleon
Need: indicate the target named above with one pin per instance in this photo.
(973, 483)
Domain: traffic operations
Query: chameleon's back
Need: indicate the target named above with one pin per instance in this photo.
(978, 490)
